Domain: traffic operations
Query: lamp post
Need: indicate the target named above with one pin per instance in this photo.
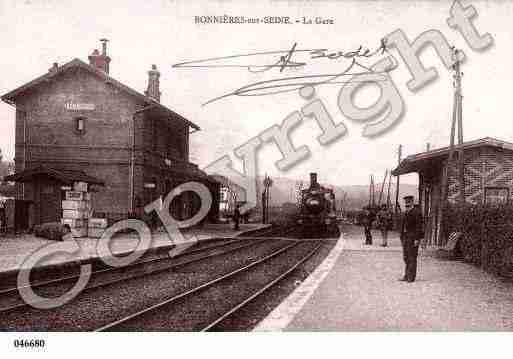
(268, 182)
(263, 207)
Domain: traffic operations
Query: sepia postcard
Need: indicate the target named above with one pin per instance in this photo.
(308, 176)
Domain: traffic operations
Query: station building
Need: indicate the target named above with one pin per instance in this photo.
(76, 123)
(488, 177)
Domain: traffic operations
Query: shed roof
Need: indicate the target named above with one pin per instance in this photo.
(11, 96)
(419, 161)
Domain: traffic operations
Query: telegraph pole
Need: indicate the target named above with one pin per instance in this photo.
(372, 201)
(388, 191)
(382, 187)
(461, 159)
(399, 154)
(457, 124)
(457, 120)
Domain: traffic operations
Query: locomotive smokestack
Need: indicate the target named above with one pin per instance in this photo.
(313, 179)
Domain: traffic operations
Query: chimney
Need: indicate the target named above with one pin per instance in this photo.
(104, 46)
(153, 90)
(54, 68)
(313, 180)
(100, 61)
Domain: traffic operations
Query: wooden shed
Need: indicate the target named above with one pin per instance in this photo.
(488, 176)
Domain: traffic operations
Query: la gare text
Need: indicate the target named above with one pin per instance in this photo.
(285, 20)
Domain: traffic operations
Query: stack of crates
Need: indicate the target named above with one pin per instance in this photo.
(76, 209)
(96, 227)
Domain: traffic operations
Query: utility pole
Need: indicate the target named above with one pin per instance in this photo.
(343, 204)
(399, 154)
(461, 158)
(457, 123)
(388, 191)
(370, 191)
(382, 187)
(456, 120)
(372, 201)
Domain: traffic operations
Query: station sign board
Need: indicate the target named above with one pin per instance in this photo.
(75, 106)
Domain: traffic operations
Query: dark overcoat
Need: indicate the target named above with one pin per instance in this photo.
(412, 227)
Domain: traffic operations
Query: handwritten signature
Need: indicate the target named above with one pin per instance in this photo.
(288, 84)
(285, 60)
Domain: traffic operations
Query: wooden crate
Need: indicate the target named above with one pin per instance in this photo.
(79, 232)
(80, 186)
(98, 223)
(94, 232)
(76, 205)
(74, 223)
(75, 195)
(74, 214)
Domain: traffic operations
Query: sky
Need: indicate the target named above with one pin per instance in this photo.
(37, 33)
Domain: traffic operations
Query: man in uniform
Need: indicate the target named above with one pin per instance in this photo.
(412, 232)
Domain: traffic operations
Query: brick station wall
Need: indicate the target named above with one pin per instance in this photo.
(158, 140)
(46, 134)
(51, 139)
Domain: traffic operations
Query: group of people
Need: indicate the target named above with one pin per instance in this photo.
(411, 234)
(383, 220)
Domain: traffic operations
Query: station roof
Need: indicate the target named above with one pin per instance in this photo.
(423, 160)
(65, 176)
(11, 96)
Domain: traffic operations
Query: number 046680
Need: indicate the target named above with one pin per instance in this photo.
(29, 343)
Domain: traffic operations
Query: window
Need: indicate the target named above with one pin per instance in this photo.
(496, 195)
(80, 125)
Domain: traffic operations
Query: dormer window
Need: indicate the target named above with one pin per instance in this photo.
(80, 125)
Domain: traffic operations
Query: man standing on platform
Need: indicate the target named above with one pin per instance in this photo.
(412, 232)
(367, 225)
(3, 216)
(384, 223)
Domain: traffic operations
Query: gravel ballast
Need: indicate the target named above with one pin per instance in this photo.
(100, 306)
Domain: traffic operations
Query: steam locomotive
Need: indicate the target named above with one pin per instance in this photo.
(317, 215)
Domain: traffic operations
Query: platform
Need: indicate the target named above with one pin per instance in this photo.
(361, 292)
(14, 249)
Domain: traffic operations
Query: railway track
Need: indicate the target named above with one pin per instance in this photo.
(182, 301)
(217, 324)
(12, 294)
(273, 232)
